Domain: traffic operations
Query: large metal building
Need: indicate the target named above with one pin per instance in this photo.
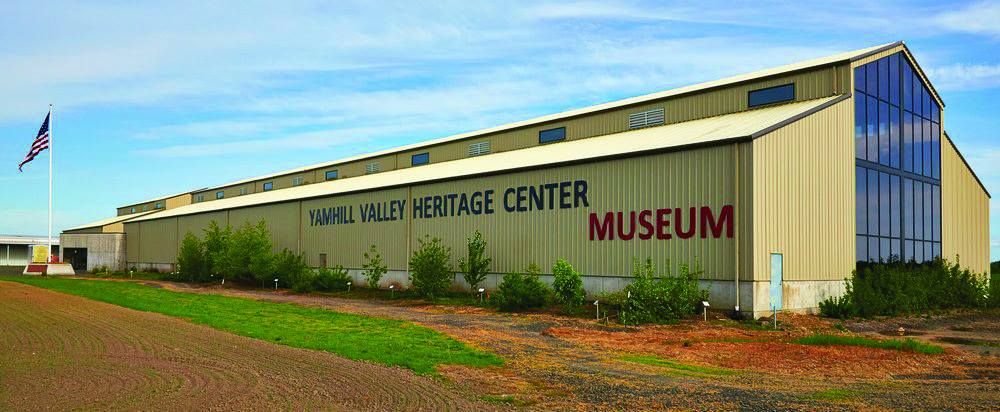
(776, 182)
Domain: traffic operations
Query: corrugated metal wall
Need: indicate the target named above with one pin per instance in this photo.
(282, 219)
(14, 255)
(816, 83)
(965, 213)
(344, 243)
(692, 178)
(804, 196)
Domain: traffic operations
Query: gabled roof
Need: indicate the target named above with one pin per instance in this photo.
(110, 220)
(716, 130)
(700, 87)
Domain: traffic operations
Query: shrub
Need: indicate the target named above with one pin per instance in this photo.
(839, 307)
(568, 284)
(520, 291)
(247, 254)
(896, 287)
(430, 268)
(374, 267)
(652, 298)
(191, 262)
(476, 264)
(328, 280)
(994, 293)
(291, 269)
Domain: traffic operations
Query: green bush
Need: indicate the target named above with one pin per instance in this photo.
(247, 254)
(290, 269)
(520, 291)
(329, 280)
(430, 268)
(652, 298)
(896, 288)
(839, 307)
(568, 284)
(374, 267)
(476, 264)
(191, 262)
(994, 294)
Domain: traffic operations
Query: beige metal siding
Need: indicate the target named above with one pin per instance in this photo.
(701, 177)
(965, 213)
(344, 244)
(133, 244)
(804, 196)
(282, 220)
(683, 179)
(178, 201)
(159, 243)
(196, 224)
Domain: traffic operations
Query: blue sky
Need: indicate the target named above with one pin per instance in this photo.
(153, 99)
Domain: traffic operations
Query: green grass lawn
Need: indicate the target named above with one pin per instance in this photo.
(908, 345)
(389, 342)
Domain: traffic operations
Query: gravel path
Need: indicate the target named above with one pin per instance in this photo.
(60, 352)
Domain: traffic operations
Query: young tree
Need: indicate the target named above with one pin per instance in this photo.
(568, 283)
(191, 260)
(247, 254)
(430, 268)
(374, 267)
(215, 244)
(476, 264)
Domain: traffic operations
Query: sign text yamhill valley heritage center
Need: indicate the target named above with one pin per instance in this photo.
(660, 223)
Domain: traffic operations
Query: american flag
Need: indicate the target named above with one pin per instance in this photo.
(41, 143)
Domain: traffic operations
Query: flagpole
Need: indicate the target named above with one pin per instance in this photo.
(48, 258)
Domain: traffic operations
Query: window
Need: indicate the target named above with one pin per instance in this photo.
(243, 191)
(552, 135)
(297, 181)
(331, 175)
(420, 159)
(645, 119)
(133, 210)
(372, 167)
(197, 198)
(159, 205)
(771, 95)
(479, 148)
(220, 194)
(268, 186)
(898, 171)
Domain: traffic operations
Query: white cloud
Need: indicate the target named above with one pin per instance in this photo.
(978, 18)
(962, 76)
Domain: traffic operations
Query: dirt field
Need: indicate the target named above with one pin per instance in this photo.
(564, 363)
(552, 362)
(60, 352)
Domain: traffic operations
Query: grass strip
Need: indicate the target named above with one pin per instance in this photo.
(385, 341)
(675, 366)
(906, 345)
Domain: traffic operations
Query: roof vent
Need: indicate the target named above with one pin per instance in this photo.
(645, 119)
(479, 148)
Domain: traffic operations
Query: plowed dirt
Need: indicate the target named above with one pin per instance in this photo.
(61, 352)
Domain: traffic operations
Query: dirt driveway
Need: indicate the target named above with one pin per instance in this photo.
(60, 352)
(565, 363)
